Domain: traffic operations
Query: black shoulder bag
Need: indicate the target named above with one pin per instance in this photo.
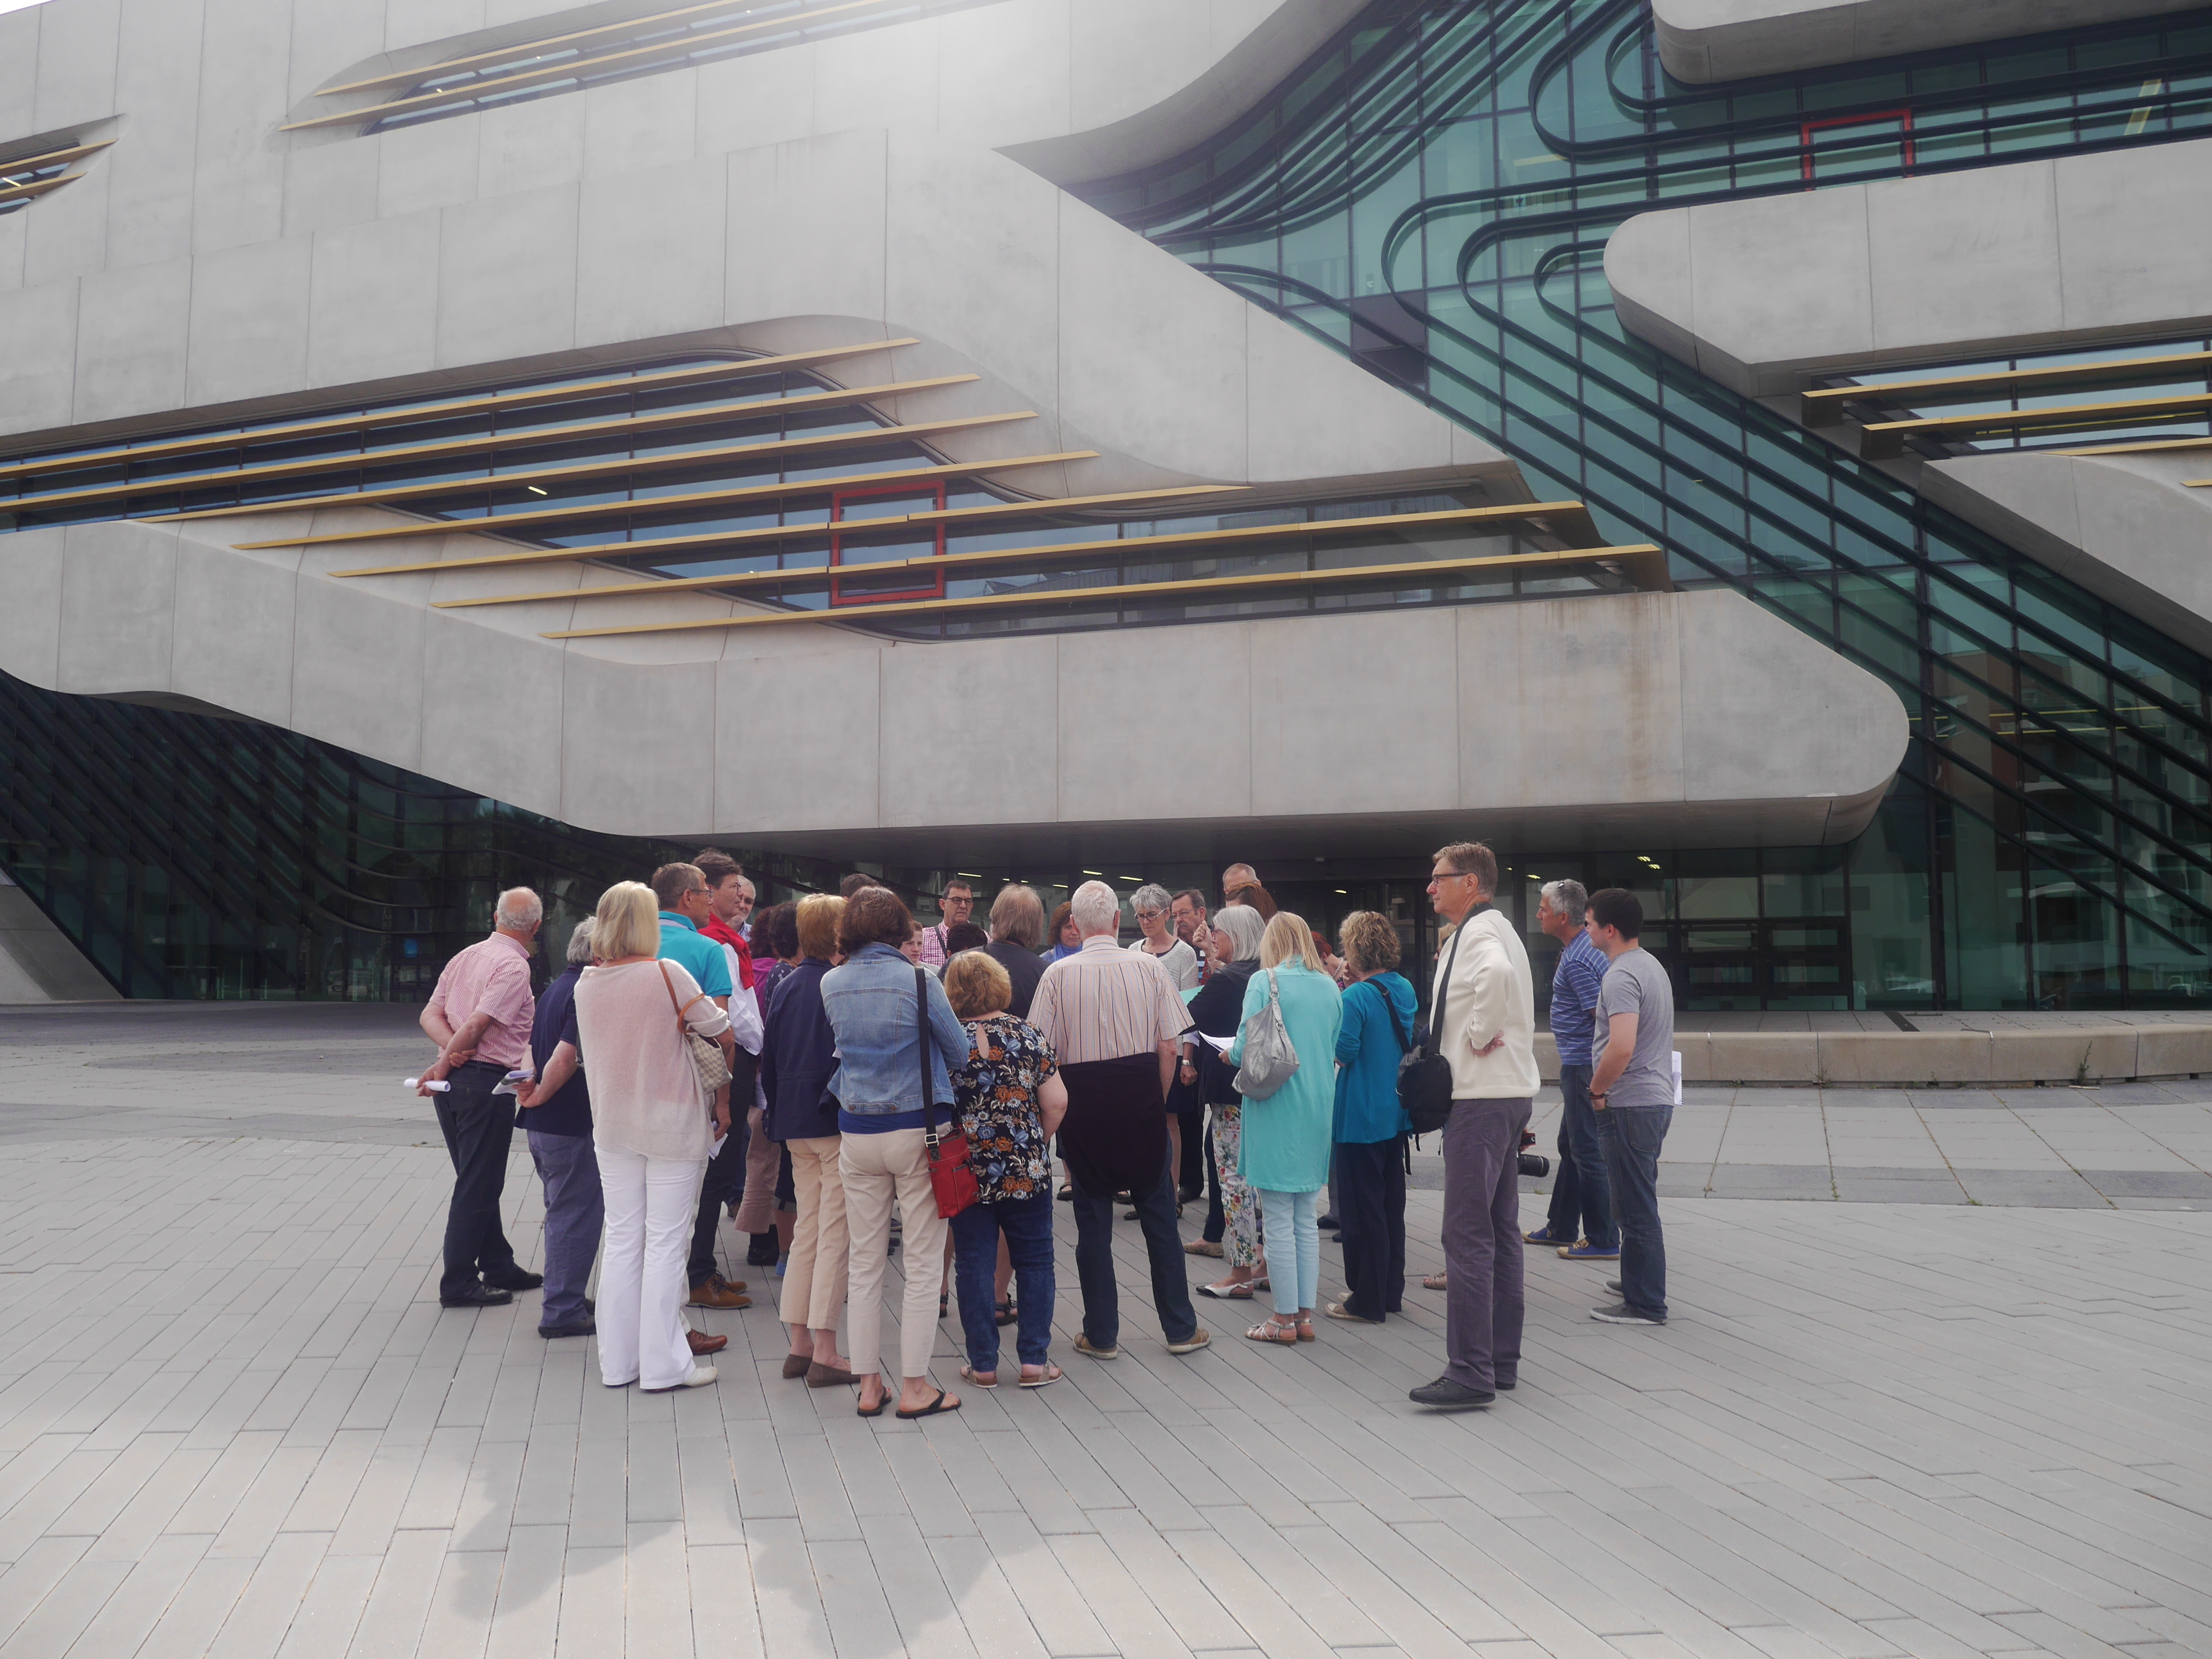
(1424, 1075)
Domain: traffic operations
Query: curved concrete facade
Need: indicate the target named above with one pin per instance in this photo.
(1694, 718)
(899, 182)
(1702, 40)
(2121, 525)
(1760, 294)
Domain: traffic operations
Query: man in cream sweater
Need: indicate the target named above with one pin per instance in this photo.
(1489, 1021)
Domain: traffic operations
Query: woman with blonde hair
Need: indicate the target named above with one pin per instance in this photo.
(651, 1131)
(799, 1056)
(1285, 1144)
(1216, 1010)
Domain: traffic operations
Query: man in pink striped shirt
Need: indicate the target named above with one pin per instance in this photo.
(1113, 1017)
(479, 1017)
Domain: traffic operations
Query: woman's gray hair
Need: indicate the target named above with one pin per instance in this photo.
(1569, 898)
(1151, 897)
(1245, 928)
(580, 943)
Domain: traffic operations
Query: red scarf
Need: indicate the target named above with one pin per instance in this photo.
(722, 933)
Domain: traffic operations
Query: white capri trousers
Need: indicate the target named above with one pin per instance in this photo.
(651, 1205)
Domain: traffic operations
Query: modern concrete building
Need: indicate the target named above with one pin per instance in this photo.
(445, 444)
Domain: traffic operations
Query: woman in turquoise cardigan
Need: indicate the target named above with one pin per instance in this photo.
(1380, 1015)
(1285, 1154)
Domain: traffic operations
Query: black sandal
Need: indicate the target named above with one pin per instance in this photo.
(930, 1410)
(1003, 1313)
(944, 1304)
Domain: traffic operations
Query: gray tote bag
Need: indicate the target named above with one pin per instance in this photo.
(1269, 1060)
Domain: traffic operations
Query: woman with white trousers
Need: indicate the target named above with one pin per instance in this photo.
(651, 1130)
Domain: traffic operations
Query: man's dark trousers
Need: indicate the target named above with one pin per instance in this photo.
(1094, 1263)
(1634, 1136)
(1370, 1195)
(725, 1180)
(479, 1127)
(1483, 1298)
(1581, 1199)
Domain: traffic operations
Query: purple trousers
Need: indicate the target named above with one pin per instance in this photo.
(1483, 1301)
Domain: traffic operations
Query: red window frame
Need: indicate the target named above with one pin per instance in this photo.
(934, 590)
(1902, 117)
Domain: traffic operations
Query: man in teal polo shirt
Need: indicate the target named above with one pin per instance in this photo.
(681, 891)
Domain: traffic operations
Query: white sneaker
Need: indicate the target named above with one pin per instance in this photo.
(700, 1377)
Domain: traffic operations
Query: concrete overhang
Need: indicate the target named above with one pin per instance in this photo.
(2121, 525)
(1624, 720)
(1705, 40)
(1763, 293)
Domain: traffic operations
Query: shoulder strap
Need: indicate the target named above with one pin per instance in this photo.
(1390, 1011)
(1444, 991)
(928, 1086)
(683, 1026)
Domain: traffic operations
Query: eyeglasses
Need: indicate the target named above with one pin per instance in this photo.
(1150, 915)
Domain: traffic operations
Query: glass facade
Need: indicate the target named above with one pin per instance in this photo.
(1433, 194)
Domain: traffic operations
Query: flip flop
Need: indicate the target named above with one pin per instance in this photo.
(1051, 1375)
(876, 1410)
(968, 1375)
(930, 1410)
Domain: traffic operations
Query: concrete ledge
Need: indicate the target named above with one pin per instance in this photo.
(1948, 1059)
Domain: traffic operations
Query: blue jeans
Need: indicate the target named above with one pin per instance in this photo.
(1581, 1199)
(1293, 1241)
(1027, 1223)
(1094, 1263)
(575, 1209)
(1633, 1137)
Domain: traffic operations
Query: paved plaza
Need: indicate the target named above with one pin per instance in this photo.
(1935, 1385)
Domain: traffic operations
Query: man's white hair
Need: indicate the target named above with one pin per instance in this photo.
(1096, 908)
(519, 910)
(1569, 898)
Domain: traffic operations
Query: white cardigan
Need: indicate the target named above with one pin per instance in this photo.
(1492, 992)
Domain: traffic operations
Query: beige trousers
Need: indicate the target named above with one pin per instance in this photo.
(879, 1169)
(814, 1277)
(763, 1163)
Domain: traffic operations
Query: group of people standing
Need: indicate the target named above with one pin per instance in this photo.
(864, 1050)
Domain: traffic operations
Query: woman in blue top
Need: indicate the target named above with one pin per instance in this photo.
(880, 1007)
(1284, 1153)
(1379, 1015)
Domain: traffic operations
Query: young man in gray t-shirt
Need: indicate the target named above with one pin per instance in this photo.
(1632, 1093)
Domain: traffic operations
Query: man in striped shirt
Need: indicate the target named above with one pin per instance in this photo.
(958, 905)
(1112, 1017)
(1581, 1199)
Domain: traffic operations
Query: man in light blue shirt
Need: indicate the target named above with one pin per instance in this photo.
(1581, 1223)
(681, 891)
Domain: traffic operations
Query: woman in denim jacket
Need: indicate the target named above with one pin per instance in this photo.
(877, 1012)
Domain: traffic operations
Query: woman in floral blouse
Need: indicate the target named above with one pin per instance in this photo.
(1010, 1099)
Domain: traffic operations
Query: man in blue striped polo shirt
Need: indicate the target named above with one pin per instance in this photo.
(1580, 1222)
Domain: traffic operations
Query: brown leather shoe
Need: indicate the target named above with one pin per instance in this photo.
(702, 1343)
(715, 1292)
(829, 1377)
(796, 1365)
